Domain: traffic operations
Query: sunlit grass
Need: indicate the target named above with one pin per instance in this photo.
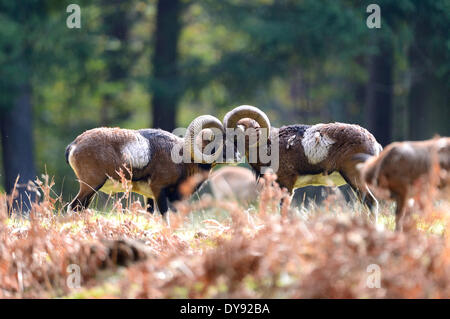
(211, 249)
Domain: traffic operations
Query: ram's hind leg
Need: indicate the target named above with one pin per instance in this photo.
(352, 177)
(82, 200)
(85, 194)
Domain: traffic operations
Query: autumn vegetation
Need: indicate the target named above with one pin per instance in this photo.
(217, 249)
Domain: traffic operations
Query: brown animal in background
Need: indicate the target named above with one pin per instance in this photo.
(310, 154)
(144, 156)
(234, 182)
(401, 166)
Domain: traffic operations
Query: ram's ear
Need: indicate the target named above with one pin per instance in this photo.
(207, 135)
(361, 157)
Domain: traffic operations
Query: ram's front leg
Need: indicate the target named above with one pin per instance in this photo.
(287, 183)
(146, 190)
(161, 200)
(150, 204)
(173, 195)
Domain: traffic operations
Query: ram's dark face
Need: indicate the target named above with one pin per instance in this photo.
(234, 148)
(247, 123)
(210, 145)
(249, 129)
(230, 151)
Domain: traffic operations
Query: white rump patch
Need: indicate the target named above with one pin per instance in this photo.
(442, 142)
(316, 145)
(137, 152)
(407, 149)
(378, 149)
(72, 148)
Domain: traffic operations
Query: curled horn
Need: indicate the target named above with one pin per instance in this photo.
(194, 129)
(246, 111)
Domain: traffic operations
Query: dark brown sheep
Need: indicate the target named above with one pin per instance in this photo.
(144, 156)
(321, 154)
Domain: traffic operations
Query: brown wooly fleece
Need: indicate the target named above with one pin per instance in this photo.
(402, 165)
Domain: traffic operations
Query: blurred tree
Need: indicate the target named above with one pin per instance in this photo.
(16, 129)
(165, 84)
(305, 49)
(429, 60)
(118, 20)
(379, 92)
(34, 46)
(16, 125)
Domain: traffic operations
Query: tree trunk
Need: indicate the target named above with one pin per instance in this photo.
(117, 23)
(359, 90)
(418, 113)
(16, 127)
(165, 85)
(379, 93)
(429, 95)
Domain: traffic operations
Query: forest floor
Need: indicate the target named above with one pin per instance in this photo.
(211, 249)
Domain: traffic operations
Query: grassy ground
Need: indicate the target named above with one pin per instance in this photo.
(212, 249)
